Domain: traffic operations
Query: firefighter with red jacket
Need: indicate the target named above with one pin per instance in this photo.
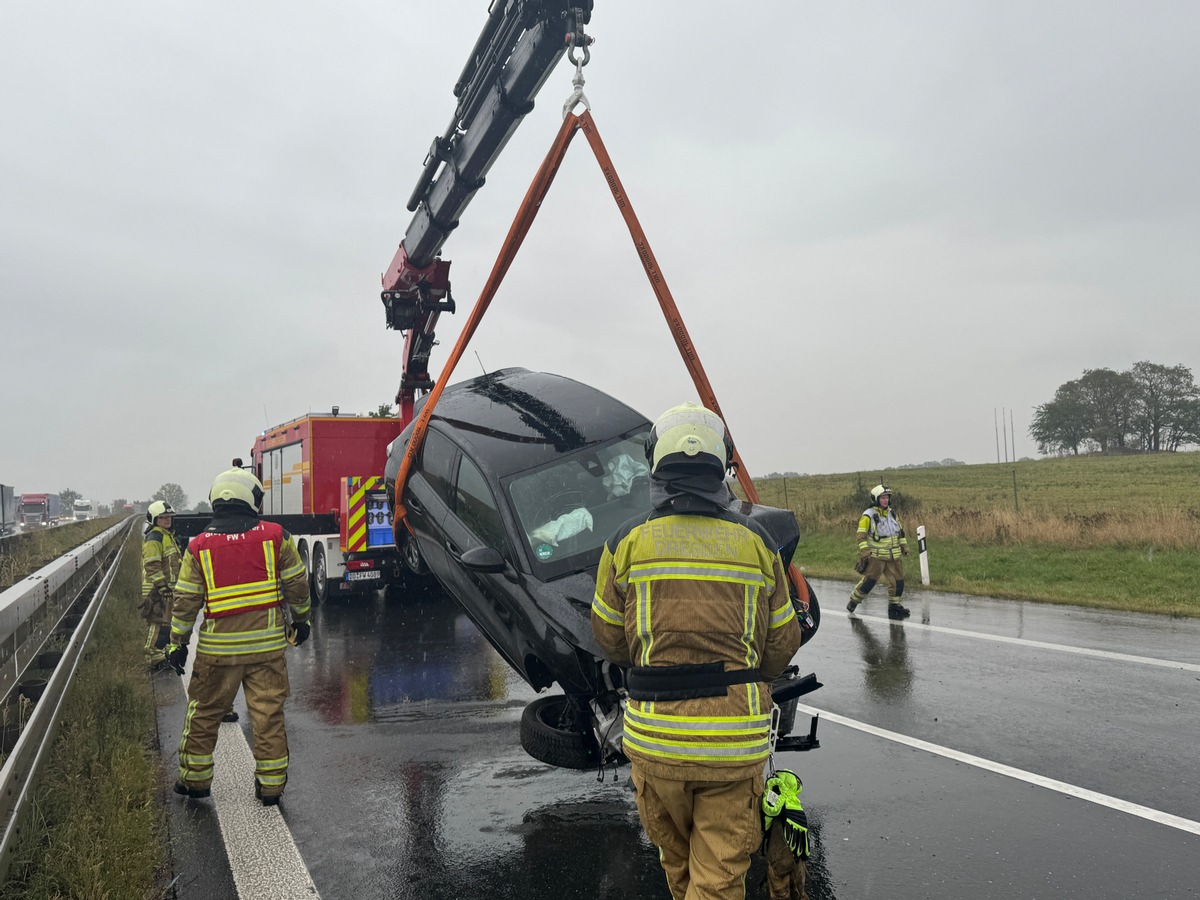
(161, 559)
(248, 578)
(693, 601)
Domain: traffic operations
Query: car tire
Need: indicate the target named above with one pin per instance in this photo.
(549, 735)
(411, 554)
(319, 582)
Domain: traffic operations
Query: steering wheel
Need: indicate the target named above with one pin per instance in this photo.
(557, 505)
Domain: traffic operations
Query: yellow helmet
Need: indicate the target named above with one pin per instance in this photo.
(237, 484)
(689, 433)
(158, 508)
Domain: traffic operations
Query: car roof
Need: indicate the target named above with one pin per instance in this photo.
(515, 419)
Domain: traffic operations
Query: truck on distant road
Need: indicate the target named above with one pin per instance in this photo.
(8, 510)
(84, 510)
(39, 510)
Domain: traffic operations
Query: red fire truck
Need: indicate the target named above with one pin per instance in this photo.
(322, 476)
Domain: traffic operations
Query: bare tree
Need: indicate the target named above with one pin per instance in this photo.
(173, 494)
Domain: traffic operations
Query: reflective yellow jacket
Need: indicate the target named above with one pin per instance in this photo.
(880, 532)
(160, 563)
(687, 589)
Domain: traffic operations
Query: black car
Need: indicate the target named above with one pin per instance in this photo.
(520, 479)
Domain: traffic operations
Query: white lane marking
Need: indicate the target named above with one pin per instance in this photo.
(263, 857)
(1062, 787)
(1045, 645)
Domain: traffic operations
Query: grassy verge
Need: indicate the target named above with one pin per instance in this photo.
(1103, 577)
(1109, 532)
(22, 554)
(97, 825)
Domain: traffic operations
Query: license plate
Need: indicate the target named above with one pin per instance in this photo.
(365, 575)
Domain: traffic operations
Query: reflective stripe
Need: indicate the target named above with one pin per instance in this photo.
(697, 725)
(181, 628)
(783, 615)
(643, 620)
(748, 751)
(699, 572)
(271, 780)
(260, 647)
(606, 612)
(197, 760)
(260, 764)
(749, 610)
(233, 643)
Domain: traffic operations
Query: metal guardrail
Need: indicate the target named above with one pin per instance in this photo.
(30, 611)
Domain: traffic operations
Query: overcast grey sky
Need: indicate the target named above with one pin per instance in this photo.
(881, 221)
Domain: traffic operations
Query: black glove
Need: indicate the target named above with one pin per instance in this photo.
(300, 632)
(176, 656)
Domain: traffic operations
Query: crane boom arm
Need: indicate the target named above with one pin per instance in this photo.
(518, 48)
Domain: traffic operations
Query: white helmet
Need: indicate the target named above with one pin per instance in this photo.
(237, 484)
(689, 433)
(878, 491)
(158, 508)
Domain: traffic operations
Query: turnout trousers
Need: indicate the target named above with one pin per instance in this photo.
(705, 832)
(210, 695)
(787, 876)
(157, 613)
(877, 570)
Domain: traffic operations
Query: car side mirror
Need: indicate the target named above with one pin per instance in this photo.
(484, 559)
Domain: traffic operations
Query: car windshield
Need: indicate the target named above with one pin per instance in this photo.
(569, 507)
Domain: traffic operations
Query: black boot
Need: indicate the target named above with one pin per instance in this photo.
(265, 799)
(195, 793)
(896, 611)
(230, 716)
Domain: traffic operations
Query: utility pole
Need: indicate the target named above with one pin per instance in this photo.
(996, 425)
(1004, 425)
(1012, 431)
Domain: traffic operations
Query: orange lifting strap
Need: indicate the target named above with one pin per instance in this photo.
(508, 252)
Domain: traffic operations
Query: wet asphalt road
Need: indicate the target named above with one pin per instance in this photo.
(408, 779)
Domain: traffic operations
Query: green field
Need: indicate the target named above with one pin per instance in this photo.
(1118, 532)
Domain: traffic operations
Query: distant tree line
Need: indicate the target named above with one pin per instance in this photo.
(933, 464)
(1147, 409)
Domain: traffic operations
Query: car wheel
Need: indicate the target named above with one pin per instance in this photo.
(320, 575)
(551, 731)
(411, 554)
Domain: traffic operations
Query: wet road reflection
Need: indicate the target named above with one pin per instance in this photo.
(383, 657)
(887, 672)
(409, 780)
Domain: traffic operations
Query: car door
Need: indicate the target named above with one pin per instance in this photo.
(498, 604)
(428, 494)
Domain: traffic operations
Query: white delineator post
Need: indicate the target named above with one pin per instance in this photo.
(922, 554)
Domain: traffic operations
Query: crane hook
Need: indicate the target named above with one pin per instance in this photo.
(577, 95)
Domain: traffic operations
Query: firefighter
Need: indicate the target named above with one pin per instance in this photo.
(248, 578)
(693, 601)
(881, 546)
(160, 569)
